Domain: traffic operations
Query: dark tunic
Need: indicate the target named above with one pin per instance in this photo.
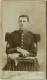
(25, 41)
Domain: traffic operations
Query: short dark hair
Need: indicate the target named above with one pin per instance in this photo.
(25, 16)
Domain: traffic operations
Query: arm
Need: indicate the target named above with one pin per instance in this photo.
(10, 50)
(33, 50)
(33, 46)
(9, 47)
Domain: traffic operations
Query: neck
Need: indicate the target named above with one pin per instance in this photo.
(23, 30)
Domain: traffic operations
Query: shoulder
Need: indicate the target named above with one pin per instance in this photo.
(14, 32)
(35, 36)
(31, 33)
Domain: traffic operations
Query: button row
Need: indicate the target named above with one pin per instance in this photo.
(22, 40)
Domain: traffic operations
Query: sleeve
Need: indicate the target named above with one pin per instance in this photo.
(33, 51)
(33, 48)
(9, 43)
(10, 49)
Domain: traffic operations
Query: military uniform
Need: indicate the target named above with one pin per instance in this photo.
(24, 40)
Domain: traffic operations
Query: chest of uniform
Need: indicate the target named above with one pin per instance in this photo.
(23, 39)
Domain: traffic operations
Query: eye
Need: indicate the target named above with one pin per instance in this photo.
(20, 21)
(24, 21)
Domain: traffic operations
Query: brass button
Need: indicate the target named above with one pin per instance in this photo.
(22, 34)
(22, 43)
(22, 46)
(21, 40)
(22, 37)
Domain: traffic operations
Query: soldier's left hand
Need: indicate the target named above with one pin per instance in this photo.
(24, 52)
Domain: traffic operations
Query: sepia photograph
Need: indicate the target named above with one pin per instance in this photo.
(23, 39)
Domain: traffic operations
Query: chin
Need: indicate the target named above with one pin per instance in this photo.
(23, 29)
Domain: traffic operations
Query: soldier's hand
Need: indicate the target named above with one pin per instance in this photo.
(9, 55)
(19, 49)
(24, 53)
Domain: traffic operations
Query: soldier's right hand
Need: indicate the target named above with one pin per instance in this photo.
(19, 49)
(9, 55)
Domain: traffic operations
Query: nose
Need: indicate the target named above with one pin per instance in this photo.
(22, 22)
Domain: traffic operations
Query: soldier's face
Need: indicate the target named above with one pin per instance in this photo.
(23, 23)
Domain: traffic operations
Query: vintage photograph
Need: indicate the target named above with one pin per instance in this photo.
(24, 36)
